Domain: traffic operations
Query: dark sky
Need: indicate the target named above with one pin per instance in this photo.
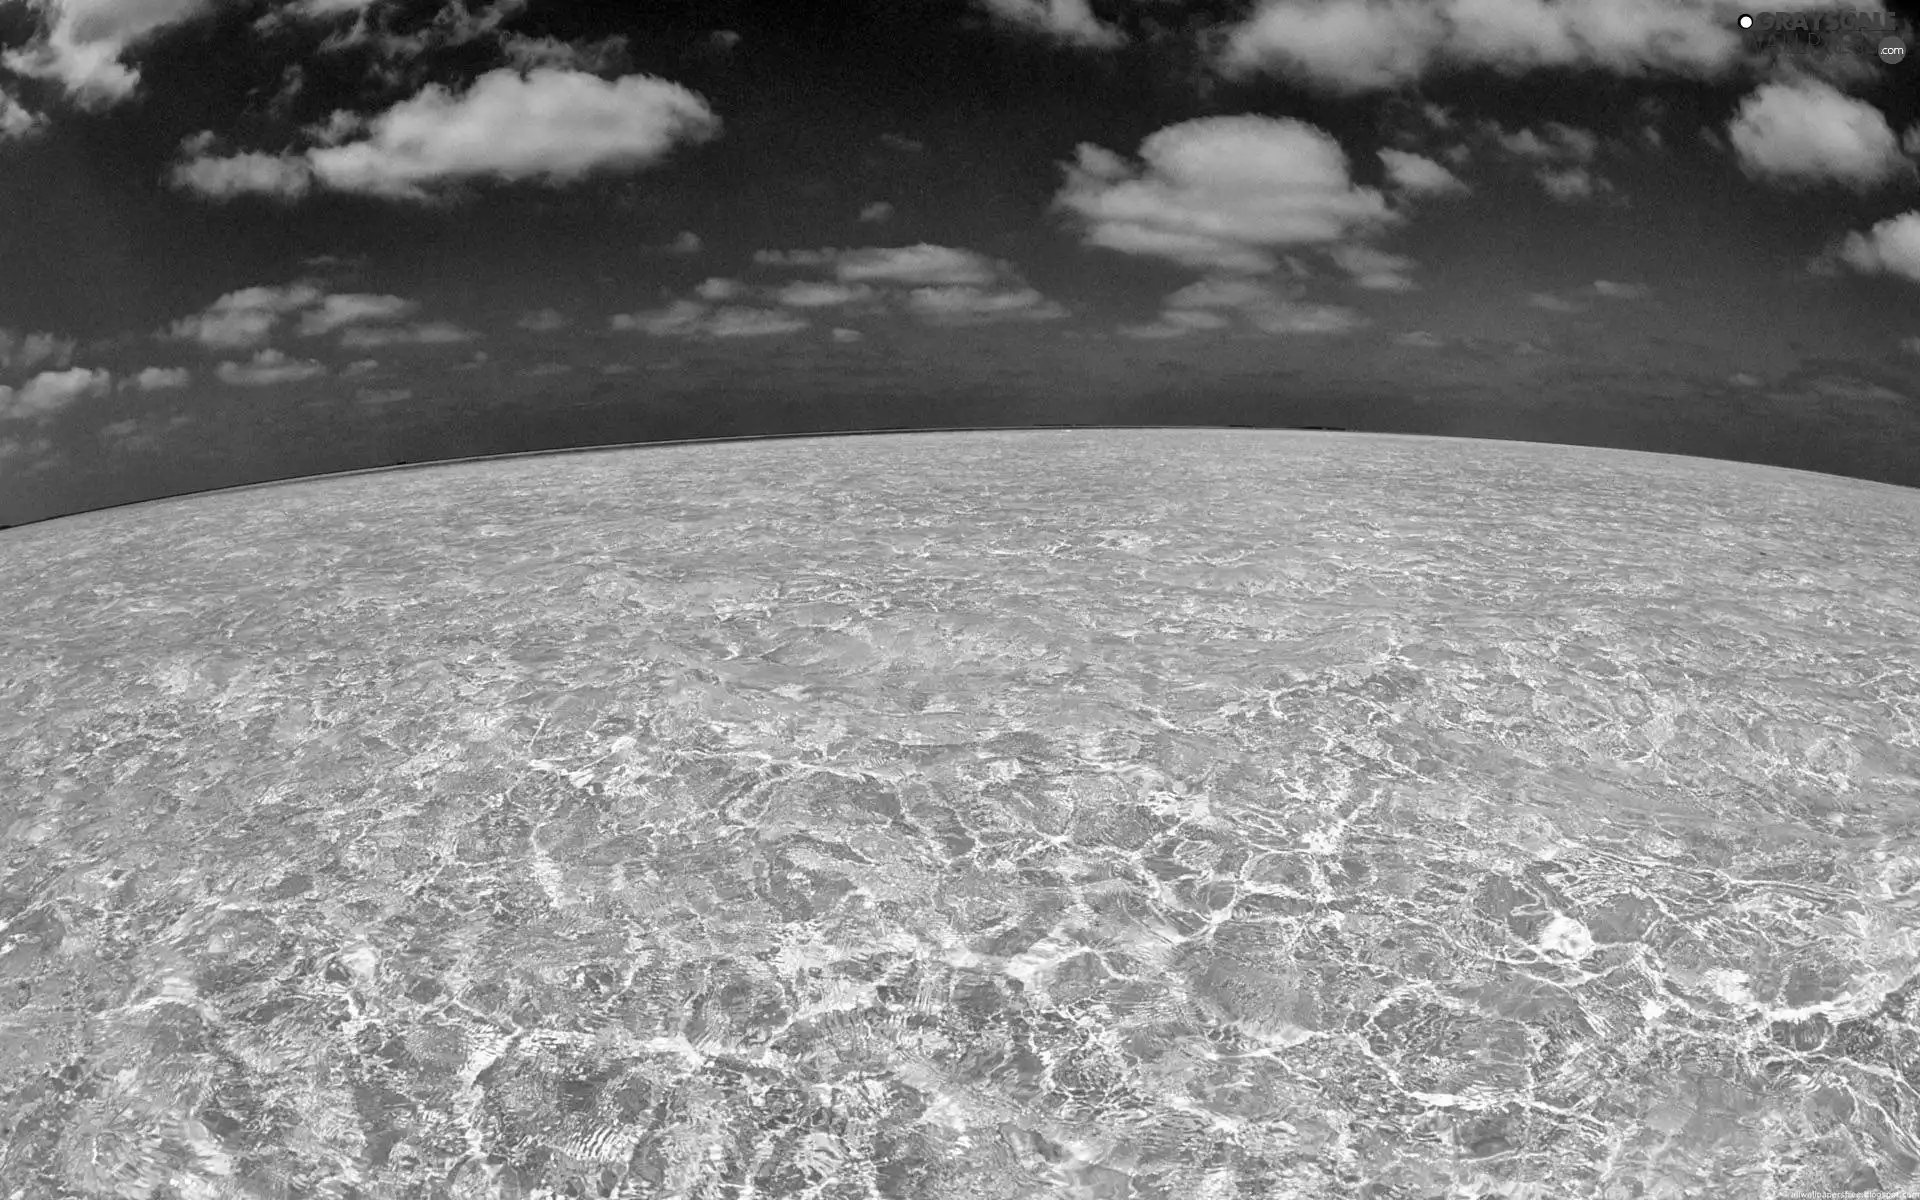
(250, 241)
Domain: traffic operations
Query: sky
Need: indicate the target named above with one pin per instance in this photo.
(243, 241)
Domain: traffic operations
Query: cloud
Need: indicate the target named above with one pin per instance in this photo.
(1068, 21)
(904, 145)
(29, 350)
(375, 397)
(455, 24)
(532, 53)
(692, 319)
(1263, 306)
(1420, 339)
(720, 289)
(1566, 186)
(250, 174)
(1350, 46)
(549, 125)
(1891, 247)
(50, 391)
(268, 367)
(17, 122)
(1419, 176)
(1560, 143)
(1806, 132)
(1553, 303)
(426, 333)
(359, 366)
(1374, 269)
(244, 319)
(154, 379)
(878, 211)
(1620, 291)
(684, 242)
(1911, 345)
(543, 320)
(82, 42)
(810, 294)
(921, 264)
(854, 335)
(352, 308)
(1221, 193)
(963, 304)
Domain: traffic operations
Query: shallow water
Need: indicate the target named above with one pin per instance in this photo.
(1144, 814)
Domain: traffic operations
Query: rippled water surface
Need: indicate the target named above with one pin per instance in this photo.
(1122, 815)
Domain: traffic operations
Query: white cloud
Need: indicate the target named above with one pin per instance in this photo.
(1176, 322)
(375, 397)
(550, 125)
(268, 367)
(1620, 291)
(154, 379)
(1420, 339)
(531, 53)
(250, 174)
(1069, 21)
(1553, 303)
(52, 390)
(1221, 193)
(878, 211)
(719, 289)
(920, 264)
(18, 122)
(1743, 380)
(810, 294)
(1560, 143)
(29, 350)
(243, 319)
(684, 242)
(82, 41)
(854, 335)
(1566, 186)
(1805, 131)
(1891, 247)
(691, 319)
(1347, 46)
(352, 308)
(962, 304)
(1267, 307)
(1418, 175)
(359, 366)
(543, 320)
(1374, 269)
(426, 333)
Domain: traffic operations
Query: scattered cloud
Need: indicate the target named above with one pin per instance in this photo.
(359, 366)
(1741, 379)
(1805, 132)
(1351, 46)
(245, 318)
(1221, 193)
(1621, 291)
(81, 43)
(1419, 176)
(249, 174)
(1553, 303)
(1068, 21)
(904, 145)
(1556, 143)
(812, 294)
(1911, 345)
(376, 397)
(17, 122)
(533, 53)
(154, 379)
(692, 319)
(876, 212)
(1263, 306)
(1566, 186)
(717, 289)
(29, 350)
(353, 308)
(964, 304)
(546, 369)
(268, 367)
(543, 320)
(1374, 269)
(50, 391)
(854, 335)
(426, 333)
(1891, 247)
(1177, 322)
(684, 242)
(1420, 339)
(921, 264)
(549, 125)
